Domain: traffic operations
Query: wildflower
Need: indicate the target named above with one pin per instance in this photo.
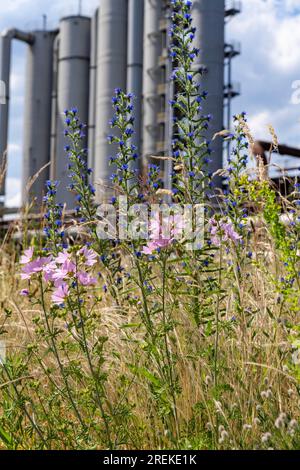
(266, 437)
(163, 234)
(33, 267)
(247, 427)
(209, 426)
(293, 424)
(62, 257)
(280, 421)
(90, 256)
(85, 279)
(24, 292)
(60, 294)
(266, 393)
(49, 271)
(223, 231)
(224, 435)
(155, 245)
(27, 256)
(67, 268)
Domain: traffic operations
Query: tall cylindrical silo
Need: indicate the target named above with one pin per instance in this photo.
(111, 74)
(93, 89)
(5, 52)
(208, 18)
(37, 120)
(135, 63)
(152, 48)
(54, 106)
(72, 91)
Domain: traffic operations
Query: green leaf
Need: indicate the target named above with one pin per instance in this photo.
(6, 438)
(130, 325)
(142, 371)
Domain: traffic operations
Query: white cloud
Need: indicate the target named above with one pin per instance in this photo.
(285, 53)
(14, 6)
(258, 124)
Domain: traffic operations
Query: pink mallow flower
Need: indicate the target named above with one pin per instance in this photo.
(49, 271)
(231, 233)
(61, 292)
(156, 245)
(173, 226)
(67, 268)
(223, 231)
(90, 256)
(34, 267)
(85, 279)
(170, 227)
(62, 257)
(27, 256)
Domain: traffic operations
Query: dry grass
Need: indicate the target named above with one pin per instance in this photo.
(255, 385)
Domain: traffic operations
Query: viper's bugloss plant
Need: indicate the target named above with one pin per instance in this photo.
(126, 173)
(53, 217)
(79, 172)
(191, 149)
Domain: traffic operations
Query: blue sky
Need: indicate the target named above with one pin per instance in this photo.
(269, 33)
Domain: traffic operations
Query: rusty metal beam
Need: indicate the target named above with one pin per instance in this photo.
(282, 149)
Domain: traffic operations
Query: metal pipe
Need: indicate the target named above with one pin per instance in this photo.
(135, 63)
(153, 10)
(6, 38)
(73, 91)
(23, 36)
(112, 55)
(37, 120)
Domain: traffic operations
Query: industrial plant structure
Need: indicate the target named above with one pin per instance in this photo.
(124, 45)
